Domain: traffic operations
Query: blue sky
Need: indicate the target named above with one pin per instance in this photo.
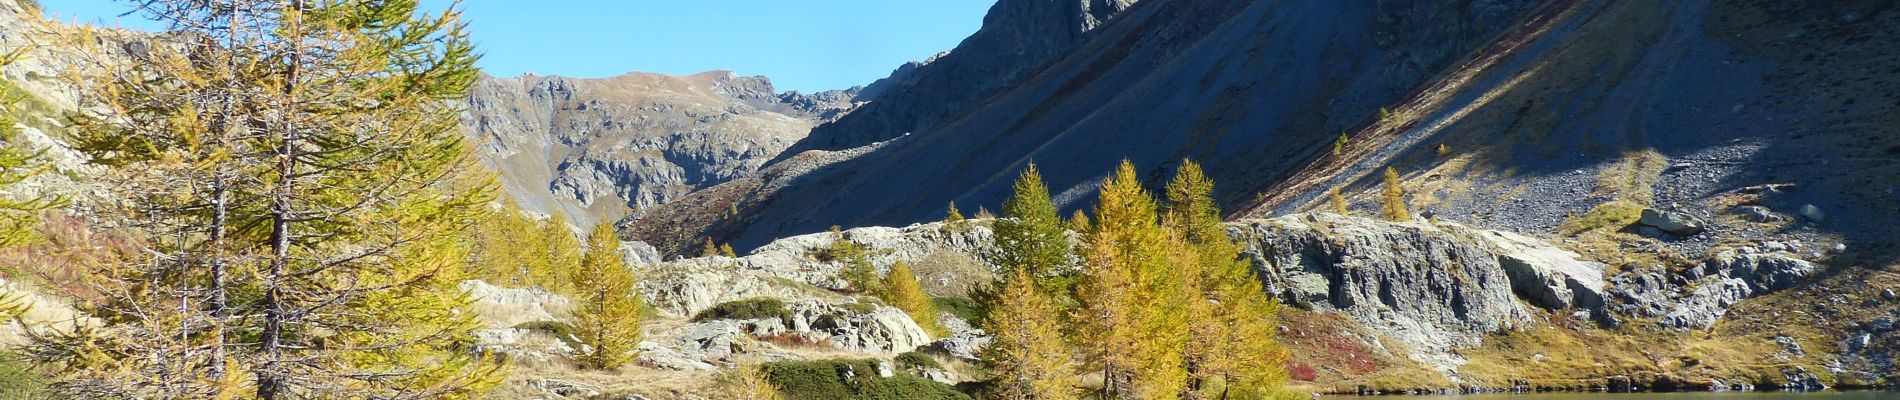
(806, 45)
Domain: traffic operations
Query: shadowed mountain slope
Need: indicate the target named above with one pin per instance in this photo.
(1249, 87)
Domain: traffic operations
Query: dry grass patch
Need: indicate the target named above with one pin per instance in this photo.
(1330, 353)
(949, 273)
(1612, 215)
(1558, 356)
(1633, 177)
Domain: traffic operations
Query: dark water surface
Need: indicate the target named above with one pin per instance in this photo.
(1822, 395)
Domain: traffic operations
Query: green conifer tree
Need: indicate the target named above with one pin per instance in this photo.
(1339, 145)
(1031, 238)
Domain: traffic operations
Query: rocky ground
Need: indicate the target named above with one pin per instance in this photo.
(1393, 306)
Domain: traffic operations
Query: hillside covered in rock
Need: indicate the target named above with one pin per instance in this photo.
(599, 149)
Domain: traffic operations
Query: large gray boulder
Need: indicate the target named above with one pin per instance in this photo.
(1675, 223)
(1542, 274)
(883, 329)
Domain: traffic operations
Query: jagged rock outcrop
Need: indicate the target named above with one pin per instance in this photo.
(1437, 287)
(883, 329)
(501, 307)
(789, 269)
(1699, 296)
(598, 149)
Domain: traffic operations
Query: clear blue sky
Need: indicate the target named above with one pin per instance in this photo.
(806, 45)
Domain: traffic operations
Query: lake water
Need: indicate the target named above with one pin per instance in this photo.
(1822, 395)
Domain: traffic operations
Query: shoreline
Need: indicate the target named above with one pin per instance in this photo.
(1687, 387)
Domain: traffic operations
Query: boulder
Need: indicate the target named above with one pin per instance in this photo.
(639, 253)
(1758, 214)
(787, 269)
(883, 329)
(564, 388)
(1764, 272)
(1812, 213)
(1672, 222)
(1546, 276)
(964, 341)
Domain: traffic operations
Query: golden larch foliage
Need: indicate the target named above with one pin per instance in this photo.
(745, 382)
(953, 215)
(610, 312)
(562, 251)
(1232, 349)
(1338, 202)
(1133, 300)
(1392, 198)
(1027, 356)
(901, 290)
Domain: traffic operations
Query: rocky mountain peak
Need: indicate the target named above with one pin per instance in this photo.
(598, 149)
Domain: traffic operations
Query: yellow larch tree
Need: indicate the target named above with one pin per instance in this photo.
(1133, 299)
(560, 252)
(1027, 356)
(1233, 352)
(1392, 198)
(901, 290)
(609, 312)
(289, 169)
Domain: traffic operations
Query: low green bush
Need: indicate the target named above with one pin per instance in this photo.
(908, 387)
(747, 309)
(18, 379)
(916, 360)
(962, 307)
(864, 305)
(851, 379)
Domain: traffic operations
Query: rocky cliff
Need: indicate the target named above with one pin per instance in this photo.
(599, 149)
